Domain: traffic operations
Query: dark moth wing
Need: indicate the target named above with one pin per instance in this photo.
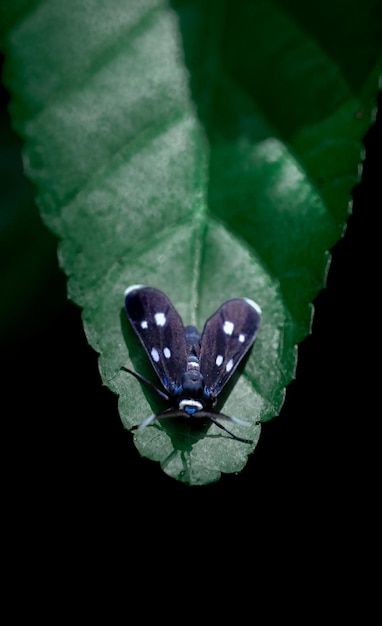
(227, 336)
(160, 330)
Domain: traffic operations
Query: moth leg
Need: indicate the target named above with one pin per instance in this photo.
(146, 381)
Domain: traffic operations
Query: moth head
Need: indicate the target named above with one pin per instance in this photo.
(190, 406)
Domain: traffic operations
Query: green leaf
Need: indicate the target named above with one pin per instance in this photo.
(27, 250)
(207, 149)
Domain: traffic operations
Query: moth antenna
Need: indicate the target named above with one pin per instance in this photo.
(147, 382)
(229, 431)
(147, 421)
(167, 413)
(236, 420)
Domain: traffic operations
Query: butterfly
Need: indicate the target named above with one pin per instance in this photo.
(193, 368)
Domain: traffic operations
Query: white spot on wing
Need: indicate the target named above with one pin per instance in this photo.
(228, 327)
(219, 360)
(160, 319)
(241, 338)
(253, 304)
(167, 352)
(155, 354)
(132, 288)
(144, 324)
(229, 365)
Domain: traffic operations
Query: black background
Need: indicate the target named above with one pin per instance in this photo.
(72, 470)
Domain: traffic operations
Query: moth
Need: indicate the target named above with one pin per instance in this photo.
(193, 368)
